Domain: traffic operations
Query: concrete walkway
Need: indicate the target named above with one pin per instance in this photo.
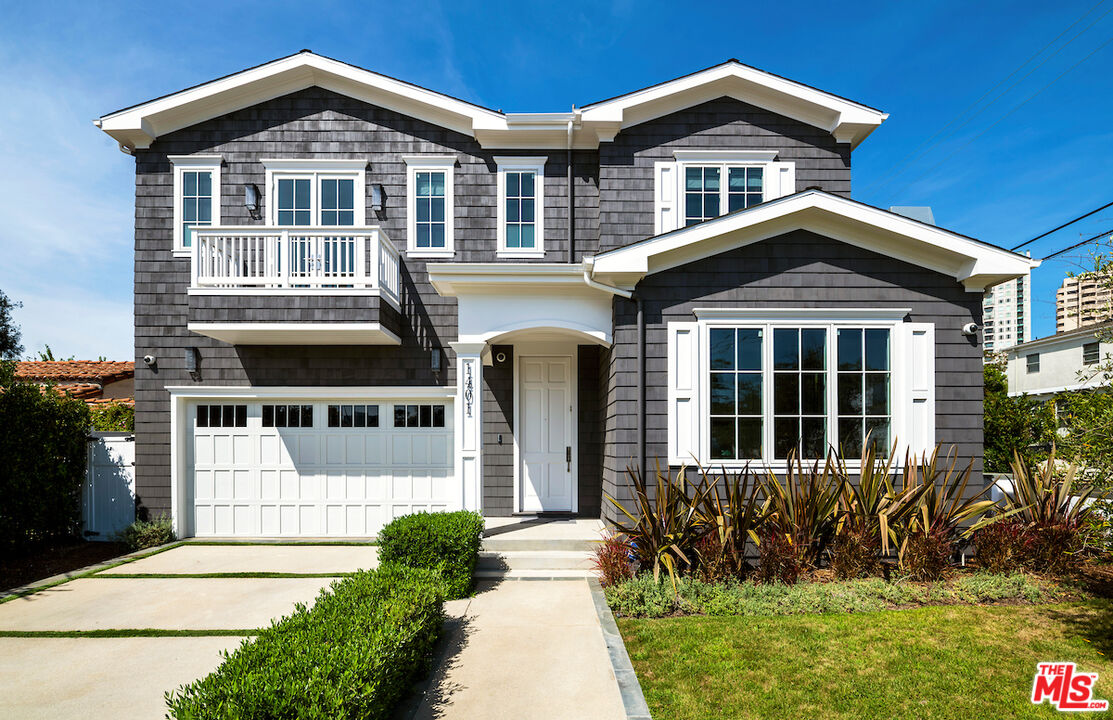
(524, 649)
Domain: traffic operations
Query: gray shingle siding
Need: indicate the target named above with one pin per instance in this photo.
(799, 269)
(626, 165)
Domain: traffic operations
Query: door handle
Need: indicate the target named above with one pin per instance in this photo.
(568, 457)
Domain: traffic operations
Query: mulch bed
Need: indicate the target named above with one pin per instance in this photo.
(59, 557)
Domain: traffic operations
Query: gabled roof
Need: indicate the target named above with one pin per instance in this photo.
(75, 371)
(139, 125)
(974, 263)
(847, 120)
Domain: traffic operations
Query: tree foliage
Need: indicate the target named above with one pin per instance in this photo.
(10, 345)
(117, 417)
(1014, 424)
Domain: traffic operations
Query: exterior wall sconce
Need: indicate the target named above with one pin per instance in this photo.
(377, 198)
(193, 362)
(436, 360)
(251, 200)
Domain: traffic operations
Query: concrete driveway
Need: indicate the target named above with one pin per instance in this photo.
(82, 677)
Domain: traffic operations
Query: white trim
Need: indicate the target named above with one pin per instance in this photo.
(974, 264)
(307, 333)
(873, 316)
(725, 156)
(430, 163)
(546, 349)
(846, 120)
(537, 166)
(194, 163)
(315, 171)
(315, 164)
(253, 392)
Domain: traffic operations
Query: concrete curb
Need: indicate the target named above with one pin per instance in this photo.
(31, 588)
(633, 700)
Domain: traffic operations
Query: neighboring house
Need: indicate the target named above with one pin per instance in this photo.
(94, 381)
(362, 298)
(1007, 309)
(1059, 363)
(1083, 300)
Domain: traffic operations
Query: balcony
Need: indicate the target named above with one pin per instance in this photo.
(254, 285)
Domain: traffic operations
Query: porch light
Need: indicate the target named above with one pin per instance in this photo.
(251, 200)
(193, 362)
(436, 360)
(377, 198)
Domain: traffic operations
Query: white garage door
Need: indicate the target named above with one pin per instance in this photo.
(317, 468)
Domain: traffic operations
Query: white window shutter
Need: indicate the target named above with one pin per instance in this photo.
(919, 359)
(683, 392)
(664, 197)
(782, 180)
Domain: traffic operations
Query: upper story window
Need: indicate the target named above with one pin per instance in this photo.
(703, 184)
(1091, 353)
(521, 228)
(196, 196)
(1032, 362)
(324, 193)
(429, 205)
(711, 190)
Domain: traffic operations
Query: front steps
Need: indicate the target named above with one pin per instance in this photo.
(538, 548)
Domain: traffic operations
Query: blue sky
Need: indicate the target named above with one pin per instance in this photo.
(1004, 175)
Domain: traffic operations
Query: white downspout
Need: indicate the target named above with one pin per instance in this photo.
(589, 267)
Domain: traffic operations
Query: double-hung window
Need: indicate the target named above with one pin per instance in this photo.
(429, 205)
(762, 386)
(307, 193)
(521, 227)
(196, 196)
(703, 184)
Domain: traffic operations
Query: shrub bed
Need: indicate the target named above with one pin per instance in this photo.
(352, 655)
(143, 534)
(445, 542)
(643, 597)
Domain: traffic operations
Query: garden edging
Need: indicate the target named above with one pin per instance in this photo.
(633, 700)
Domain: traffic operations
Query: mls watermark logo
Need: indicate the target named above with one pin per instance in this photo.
(1067, 689)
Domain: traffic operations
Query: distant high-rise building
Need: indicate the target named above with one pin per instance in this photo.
(1083, 300)
(1007, 314)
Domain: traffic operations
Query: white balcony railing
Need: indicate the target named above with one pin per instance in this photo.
(244, 256)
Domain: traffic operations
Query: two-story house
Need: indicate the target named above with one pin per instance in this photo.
(357, 298)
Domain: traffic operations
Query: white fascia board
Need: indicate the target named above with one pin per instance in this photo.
(841, 219)
(140, 125)
(847, 120)
(878, 314)
(250, 392)
(264, 333)
(450, 279)
(320, 164)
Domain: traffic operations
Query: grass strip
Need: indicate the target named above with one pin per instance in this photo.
(126, 633)
(248, 575)
(282, 543)
(77, 575)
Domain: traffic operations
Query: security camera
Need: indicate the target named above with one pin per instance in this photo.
(970, 329)
(149, 359)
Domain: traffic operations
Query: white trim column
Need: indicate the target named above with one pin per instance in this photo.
(469, 421)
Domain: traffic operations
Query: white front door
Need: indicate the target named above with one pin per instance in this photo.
(545, 434)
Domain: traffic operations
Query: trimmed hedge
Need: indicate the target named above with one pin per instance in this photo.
(353, 655)
(42, 465)
(446, 542)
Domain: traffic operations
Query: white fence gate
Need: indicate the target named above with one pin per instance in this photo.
(108, 498)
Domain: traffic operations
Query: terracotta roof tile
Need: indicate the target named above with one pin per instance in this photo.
(100, 371)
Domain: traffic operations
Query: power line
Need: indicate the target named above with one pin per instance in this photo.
(1004, 117)
(1078, 245)
(1072, 222)
(898, 169)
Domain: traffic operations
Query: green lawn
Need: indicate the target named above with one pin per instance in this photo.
(936, 662)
